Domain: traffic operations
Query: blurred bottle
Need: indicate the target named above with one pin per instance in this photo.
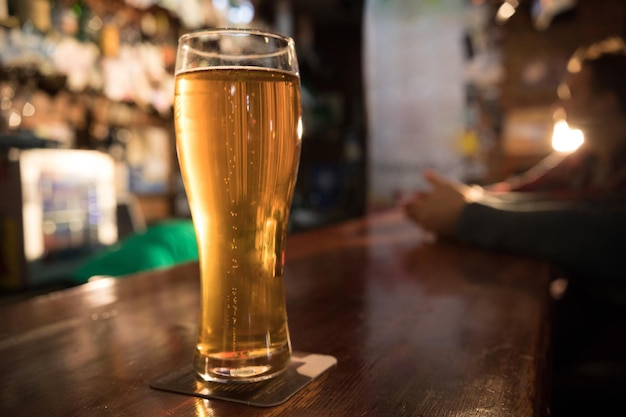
(110, 37)
(81, 10)
(35, 14)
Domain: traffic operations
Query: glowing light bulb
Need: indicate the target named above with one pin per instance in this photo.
(565, 139)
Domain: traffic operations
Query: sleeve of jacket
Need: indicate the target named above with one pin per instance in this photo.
(585, 238)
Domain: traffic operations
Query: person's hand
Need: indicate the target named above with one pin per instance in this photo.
(439, 209)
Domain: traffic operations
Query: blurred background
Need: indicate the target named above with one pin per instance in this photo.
(390, 87)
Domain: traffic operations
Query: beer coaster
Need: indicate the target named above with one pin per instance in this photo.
(302, 369)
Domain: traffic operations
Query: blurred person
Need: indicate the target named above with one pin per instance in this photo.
(571, 211)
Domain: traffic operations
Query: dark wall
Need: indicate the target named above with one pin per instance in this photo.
(526, 49)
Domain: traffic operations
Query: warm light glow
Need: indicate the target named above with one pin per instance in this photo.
(28, 110)
(506, 10)
(300, 128)
(268, 245)
(15, 119)
(565, 139)
(203, 408)
(101, 292)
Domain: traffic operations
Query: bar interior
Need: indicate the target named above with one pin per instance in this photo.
(455, 232)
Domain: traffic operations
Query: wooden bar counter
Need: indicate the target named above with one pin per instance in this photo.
(418, 329)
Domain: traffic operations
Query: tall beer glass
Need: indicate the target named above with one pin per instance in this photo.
(238, 136)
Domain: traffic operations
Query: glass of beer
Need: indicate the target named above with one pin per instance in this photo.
(238, 137)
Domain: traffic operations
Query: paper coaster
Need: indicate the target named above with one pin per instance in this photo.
(302, 369)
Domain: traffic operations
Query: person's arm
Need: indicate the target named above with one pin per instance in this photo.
(546, 174)
(585, 237)
(588, 238)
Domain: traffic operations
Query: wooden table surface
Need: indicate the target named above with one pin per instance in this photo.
(418, 329)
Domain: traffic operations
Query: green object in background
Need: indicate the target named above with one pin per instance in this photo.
(161, 245)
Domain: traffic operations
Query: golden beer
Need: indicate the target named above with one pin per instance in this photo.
(238, 144)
